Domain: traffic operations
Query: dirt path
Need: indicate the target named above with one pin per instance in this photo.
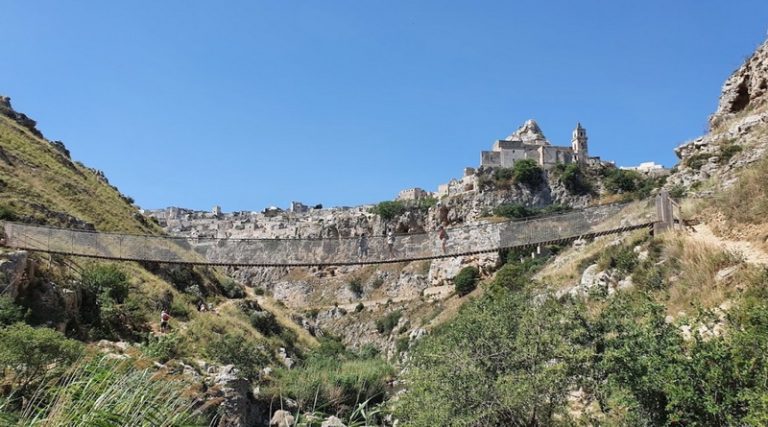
(748, 251)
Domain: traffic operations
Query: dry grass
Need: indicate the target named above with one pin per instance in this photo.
(692, 266)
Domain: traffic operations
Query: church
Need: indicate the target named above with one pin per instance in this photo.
(529, 142)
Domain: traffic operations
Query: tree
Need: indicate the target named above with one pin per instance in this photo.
(30, 353)
(528, 172)
(466, 281)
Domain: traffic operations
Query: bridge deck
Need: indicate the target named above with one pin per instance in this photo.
(462, 241)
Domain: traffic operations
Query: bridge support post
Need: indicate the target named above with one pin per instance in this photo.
(664, 213)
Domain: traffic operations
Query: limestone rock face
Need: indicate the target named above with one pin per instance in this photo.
(530, 133)
(238, 406)
(738, 129)
(13, 266)
(746, 89)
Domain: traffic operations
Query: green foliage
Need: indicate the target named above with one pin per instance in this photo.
(528, 172)
(10, 312)
(163, 347)
(388, 322)
(332, 385)
(355, 286)
(237, 350)
(513, 210)
(359, 307)
(108, 392)
(622, 258)
(32, 353)
(619, 181)
(265, 322)
(677, 192)
(574, 180)
(401, 344)
(727, 151)
(330, 346)
(466, 280)
(7, 214)
(231, 289)
(511, 358)
(389, 210)
(697, 160)
(106, 278)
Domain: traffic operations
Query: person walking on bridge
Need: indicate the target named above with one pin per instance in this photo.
(443, 236)
(362, 247)
(391, 243)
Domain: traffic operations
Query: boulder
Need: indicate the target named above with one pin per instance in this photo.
(281, 418)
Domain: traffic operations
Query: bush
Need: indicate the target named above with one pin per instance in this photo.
(388, 322)
(728, 151)
(618, 181)
(235, 349)
(388, 210)
(574, 180)
(528, 172)
(332, 385)
(10, 312)
(6, 214)
(265, 322)
(231, 289)
(466, 281)
(359, 307)
(31, 353)
(697, 160)
(513, 210)
(163, 348)
(106, 278)
(355, 286)
(402, 344)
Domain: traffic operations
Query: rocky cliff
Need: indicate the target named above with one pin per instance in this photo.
(738, 134)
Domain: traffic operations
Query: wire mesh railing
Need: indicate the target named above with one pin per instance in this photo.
(462, 240)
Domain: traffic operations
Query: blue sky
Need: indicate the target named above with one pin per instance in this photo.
(248, 104)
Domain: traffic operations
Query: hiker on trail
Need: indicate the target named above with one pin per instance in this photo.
(391, 243)
(164, 318)
(362, 246)
(443, 236)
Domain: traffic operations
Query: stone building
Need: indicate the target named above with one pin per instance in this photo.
(412, 194)
(529, 142)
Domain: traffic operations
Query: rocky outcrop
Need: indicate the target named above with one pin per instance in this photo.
(530, 133)
(7, 110)
(738, 133)
(13, 272)
(746, 89)
(238, 407)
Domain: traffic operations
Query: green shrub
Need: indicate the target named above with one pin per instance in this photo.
(265, 322)
(231, 289)
(388, 210)
(619, 181)
(677, 192)
(32, 353)
(10, 312)
(332, 385)
(528, 172)
(466, 280)
(259, 291)
(502, 175)
(6, 214)
(377, 282)
(728, 151)
(697, 160)
(355, 286)
(513, 210)
(388, 322)
(622, 258)
(106, 278)
(402, 344)
(574, 180)
(237, 350)
(331, 345)
(359, 307)
(368, 351)
(163, 347)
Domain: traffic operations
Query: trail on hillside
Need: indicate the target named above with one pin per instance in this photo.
(747, 250)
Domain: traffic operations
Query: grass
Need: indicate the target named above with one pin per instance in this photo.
(41, 180)
(105, 391)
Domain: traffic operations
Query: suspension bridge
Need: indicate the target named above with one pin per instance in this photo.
(486, 237)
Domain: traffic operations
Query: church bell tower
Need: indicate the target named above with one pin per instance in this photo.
(579, 144)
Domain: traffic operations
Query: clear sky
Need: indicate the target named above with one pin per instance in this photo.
(249, 103)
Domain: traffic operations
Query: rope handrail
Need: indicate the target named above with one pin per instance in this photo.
(459, 241)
